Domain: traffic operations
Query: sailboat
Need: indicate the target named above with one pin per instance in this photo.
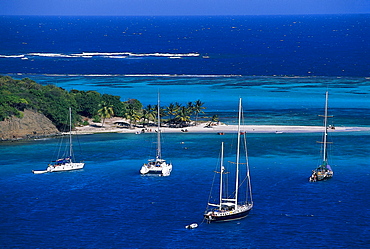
(65, 163)
(232, 207)
(323, 171)
(157, 165)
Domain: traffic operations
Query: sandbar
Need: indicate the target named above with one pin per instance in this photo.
(111, 126)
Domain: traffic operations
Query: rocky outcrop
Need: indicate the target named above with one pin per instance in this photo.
(32, 125)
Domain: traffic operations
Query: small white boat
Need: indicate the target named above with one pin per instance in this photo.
(65, 163)
(158, 165)
(191, 226)
(323, 171)
(39, 171)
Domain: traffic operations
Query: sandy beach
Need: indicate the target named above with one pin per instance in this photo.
(110, 125)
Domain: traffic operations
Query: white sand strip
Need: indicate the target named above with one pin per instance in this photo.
(220, 129)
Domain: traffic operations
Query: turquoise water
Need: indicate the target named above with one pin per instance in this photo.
(266, 100)
(108, 204)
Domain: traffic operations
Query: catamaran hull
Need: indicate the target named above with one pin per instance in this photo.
(156, 170)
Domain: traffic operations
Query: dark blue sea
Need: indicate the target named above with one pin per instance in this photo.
(313, 45)
(280, 65)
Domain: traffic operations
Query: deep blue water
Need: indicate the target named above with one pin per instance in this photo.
(109, 205)
(313, 45)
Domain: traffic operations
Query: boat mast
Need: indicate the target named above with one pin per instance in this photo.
(325, 156)
(70, 134)
(237, 156)
(221, 172)
(158, 133)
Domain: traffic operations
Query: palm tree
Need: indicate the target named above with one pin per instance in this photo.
(215, 118)
(145, 115)
(105, 111)
(190, 108)
(183, 115)
(171, 110)
(162, 112)
(149, 113)
(132, 115)
(198, 108)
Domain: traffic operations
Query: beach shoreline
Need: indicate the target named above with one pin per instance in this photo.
(111, 127)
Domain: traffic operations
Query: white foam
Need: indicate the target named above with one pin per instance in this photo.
(112, 55)
(115, 57)
(50, 55)
(91, 54)
(145, 75)
(12, 56)
(166, 55)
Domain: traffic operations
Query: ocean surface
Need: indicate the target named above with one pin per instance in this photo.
(280, 65)
(313, 45)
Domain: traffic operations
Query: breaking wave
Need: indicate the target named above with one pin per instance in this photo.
(138, 75)
(114, 55)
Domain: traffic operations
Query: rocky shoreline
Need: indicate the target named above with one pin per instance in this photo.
(32, 125)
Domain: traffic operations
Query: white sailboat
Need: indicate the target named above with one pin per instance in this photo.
(323, 171)
(232, 207)
(65, 163)
(157, 165)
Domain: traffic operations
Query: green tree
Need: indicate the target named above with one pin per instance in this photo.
(87, 102)
(215, 118)
(144, 116)
(198, 108)
(118, 106)
(105, 111)
(171, 110)
(183, 116)
(132, 115)
(149, 112)
(135, 104)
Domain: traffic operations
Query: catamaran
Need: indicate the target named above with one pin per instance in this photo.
(323, 171)
(157, 165)
(64, 163)
(233, 206)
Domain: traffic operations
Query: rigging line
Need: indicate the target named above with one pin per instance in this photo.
(78, 141)
(248, 177)
(213, 182)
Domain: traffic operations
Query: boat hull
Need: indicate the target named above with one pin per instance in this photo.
(61, 167)
(222, 216)
(39, 171)
(320, 175)
(162, 168)
(65, 167)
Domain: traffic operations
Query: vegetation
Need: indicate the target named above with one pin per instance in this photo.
(53, 102)
(105, 111)
(177, 115)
